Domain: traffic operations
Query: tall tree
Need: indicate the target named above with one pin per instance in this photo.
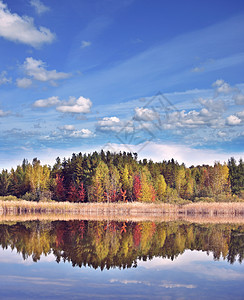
(4, 182)
(160, 186)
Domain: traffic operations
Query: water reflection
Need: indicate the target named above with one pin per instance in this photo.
(106, 245)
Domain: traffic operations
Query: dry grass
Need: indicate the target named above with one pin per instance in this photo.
(194, 212)
(200, 219)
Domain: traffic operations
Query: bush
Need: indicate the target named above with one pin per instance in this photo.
(45, 196)
(9, 198)
(204, 199)
(30, 196)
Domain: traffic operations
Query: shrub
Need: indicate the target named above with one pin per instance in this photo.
(9, 198)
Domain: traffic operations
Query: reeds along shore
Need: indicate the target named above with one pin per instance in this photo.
(127, 209)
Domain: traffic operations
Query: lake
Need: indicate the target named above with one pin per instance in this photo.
(121, 260)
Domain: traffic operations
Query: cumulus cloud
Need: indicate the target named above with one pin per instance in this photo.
(77, 106)
(67, 132)
(109, 121)
(85, 44)
(109, 124)
(189, 119)
(3, 78)
(233, 120)
(211, 105)
(51, 101)
(114, 124)
(209, 115)
(39, 7)
(218, 82)
(73, 105)
(239, 99)
(145, 114)
(36, 69)
(222, 87)
(23, 82)
(22, 29)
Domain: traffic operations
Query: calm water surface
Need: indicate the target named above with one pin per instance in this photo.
(121, 260)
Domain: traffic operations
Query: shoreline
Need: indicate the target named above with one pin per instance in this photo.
(225, 212)
(50, 217)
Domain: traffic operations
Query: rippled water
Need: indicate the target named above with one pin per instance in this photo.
(121, 260)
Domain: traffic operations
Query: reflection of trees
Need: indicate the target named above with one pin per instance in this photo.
(109, 244)
(236, 248)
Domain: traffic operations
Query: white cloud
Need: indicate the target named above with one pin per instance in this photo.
(22, 29)
(169, 285)
(85, 44)
(218, 82)
(83, 133)
(233, 120)
(209, 115)
(126, 281)
(36, 69)
(193, 262)
(80, 105)
(39, 7)
(109, 124)
(222, 87)
(23, 82)
(109, 121)
(213, 105)
(145, 114)
(221, 134)
(3, 78)
(239, 99)
(240, 114)
(68, 127)
(51, 101)
(197, 69)
(4, 113)
(189, 119)
(68, 132)
(114, 124)
(180, 152)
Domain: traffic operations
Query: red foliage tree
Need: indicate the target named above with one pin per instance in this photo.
(137, 188)
(60, 189)
(153, 193)
(81, 193)
(72, 193)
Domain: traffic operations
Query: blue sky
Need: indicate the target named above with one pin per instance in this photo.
(163, 78)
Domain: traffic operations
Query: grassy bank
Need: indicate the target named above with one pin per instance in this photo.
(122, 209)
(199, 219)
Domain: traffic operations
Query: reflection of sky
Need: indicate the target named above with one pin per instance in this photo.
(193, 275)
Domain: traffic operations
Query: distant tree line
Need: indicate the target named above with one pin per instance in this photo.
(113, 177)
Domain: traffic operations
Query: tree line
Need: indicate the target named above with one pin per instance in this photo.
(114, 177)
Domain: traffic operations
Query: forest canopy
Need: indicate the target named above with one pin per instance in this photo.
(121, 177)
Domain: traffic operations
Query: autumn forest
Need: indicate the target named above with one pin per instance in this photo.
(121, 177)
